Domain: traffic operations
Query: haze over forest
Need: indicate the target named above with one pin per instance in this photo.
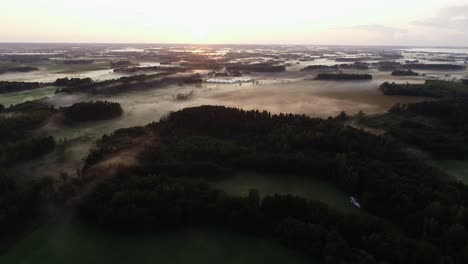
(324, 132)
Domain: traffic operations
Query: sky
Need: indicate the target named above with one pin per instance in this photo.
(327, 22)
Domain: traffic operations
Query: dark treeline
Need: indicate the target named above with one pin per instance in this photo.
(260, 67)
(130, 83)
(391, 56)
(19, 69)
(119, 64)
(343, 77)
(357, 65)
(132, 202)
(25, 149)
(137, 69)
(352, 59)
(431, 88)
(21, 203)
(387, 65)
(209, 142)
(16, 142)
(10, 87)
(321, 67)
(151, 68)
(434, 67)
(24, 118)
(79, 62)
(405, 73)
(92, 111)
(435, 126)
(72, 81)
(184, 96)
(26, 58)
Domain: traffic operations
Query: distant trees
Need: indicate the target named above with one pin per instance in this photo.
(342, 77)
(404, 73)
(78, 62)
(431, 88)
(356, 65)
(125, 84)
(18, 125)
(91, 111)
(435, 126)
(119, 64)
(434, 67)
(9, 87)
(387, 65)
(19, 69)
(320, 67)
(259, 67)
(184, 96)
(72, 81)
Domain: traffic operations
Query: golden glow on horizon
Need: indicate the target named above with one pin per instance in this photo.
(237, 21)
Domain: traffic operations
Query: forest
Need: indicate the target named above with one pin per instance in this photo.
(92, 111)
(333, 171)
(20, 204)
(260, 67)
(343, 77)
(126, 84)
(72, 81)
(438, 127)
(404, 73)
(431, 88)
(19, 69)
(309, 226)
(78, 62)
(208, 142)
(10, 87)
(357, 65)
(387, 65)
(434, 67)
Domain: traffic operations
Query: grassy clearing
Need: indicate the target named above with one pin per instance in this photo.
(458, 169)
(72, 243)
(29, 95)
(269, 184)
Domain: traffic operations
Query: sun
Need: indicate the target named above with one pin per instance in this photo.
(199, 32)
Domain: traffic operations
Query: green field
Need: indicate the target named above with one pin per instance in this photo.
(455, 168)
(267, 184)
(29, 95)
(72, 243)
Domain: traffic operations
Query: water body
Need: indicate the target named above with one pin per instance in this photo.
(439, 50)
(72, 243)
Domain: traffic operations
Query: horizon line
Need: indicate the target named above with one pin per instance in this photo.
(236, 44)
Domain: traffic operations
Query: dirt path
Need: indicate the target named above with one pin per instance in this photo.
(114, 162)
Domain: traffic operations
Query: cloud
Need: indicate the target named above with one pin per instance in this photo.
(380, 29)
(452, 18)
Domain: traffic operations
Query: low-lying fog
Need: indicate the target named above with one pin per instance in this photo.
(315, 98)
